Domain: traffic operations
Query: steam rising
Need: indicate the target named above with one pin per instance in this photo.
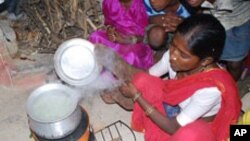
(105, 58)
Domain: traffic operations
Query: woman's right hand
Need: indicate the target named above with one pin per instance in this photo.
(128, 90)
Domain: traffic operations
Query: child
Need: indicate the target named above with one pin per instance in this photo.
(206, 94)
(167, 14)
(126, 21)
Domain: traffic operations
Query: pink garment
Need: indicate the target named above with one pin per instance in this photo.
(129, 22)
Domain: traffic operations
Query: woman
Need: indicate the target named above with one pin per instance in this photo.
(206, 94)
(126, 21)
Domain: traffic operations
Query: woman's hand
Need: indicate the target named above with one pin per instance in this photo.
(115, 36)
(111, 33)
(128, 90)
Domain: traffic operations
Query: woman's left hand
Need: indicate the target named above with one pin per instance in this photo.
(128, 90)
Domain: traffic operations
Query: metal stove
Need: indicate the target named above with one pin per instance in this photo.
(81, 133)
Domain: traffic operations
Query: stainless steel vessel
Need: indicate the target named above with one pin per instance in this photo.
(53, 111)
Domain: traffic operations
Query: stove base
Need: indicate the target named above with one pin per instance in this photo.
(81, 133)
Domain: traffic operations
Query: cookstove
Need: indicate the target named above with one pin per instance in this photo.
(81, 133)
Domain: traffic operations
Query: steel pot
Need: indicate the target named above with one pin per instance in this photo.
(53, 111)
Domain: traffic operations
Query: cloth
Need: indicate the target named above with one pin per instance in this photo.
(157, 91)
(162, 67)
(231, 13)
(181, 11)
(204, 102)
(245, 119)
(131, 21)
(188, 133)
(237, 45)
(150, 9)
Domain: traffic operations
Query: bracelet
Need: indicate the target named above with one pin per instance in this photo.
(149, 111)
(137, 95)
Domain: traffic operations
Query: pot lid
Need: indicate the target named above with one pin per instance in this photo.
(75, 63)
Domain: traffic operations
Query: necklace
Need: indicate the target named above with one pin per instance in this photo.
(199, 69)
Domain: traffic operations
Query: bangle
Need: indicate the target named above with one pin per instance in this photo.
(149, 111)
(137, 95)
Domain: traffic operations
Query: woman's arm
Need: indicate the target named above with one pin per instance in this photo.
(165, 123)
(127, 39)
(169, 125)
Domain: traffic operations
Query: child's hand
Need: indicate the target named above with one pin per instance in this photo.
(171, 21)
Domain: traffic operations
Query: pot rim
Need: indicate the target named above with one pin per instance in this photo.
(41, 90)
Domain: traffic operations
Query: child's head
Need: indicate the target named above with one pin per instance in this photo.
(198, 41)
(204, 34)
(157, 37)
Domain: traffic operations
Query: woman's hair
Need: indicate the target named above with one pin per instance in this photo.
(204, 34)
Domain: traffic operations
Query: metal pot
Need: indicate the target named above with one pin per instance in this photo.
(53, 111)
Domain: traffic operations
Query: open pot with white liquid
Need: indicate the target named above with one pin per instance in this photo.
(53, 111)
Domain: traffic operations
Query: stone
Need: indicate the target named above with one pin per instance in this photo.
(8, 37)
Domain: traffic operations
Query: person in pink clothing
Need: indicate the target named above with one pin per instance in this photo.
(125, 21)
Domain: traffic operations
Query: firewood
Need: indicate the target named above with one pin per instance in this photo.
(55, 18)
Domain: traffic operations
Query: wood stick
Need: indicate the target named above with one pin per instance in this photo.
(91, 23)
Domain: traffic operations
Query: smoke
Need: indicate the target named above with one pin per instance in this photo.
(104, 81)
(105, 58)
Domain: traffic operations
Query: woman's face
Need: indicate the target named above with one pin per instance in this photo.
(159, 5)
(181, 59)
(195, 3)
